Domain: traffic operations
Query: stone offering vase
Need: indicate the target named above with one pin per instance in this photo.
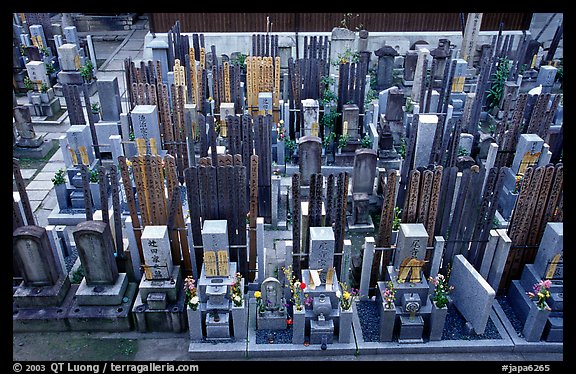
(535, 322)
(194, 322)
(298, 325)
(437, 321)
(387, 320)
(345, 328)
(239, 320)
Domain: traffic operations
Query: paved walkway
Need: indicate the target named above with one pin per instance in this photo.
(113, 47)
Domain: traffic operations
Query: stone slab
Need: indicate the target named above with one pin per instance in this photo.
(102, 294)
(472, 295)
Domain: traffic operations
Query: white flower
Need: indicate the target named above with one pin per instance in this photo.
(237, 298)
(296, 284)
(195, 300)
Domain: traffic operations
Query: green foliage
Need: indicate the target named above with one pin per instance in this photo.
(290, 144)
(409, 106)
(498, 82)
(94, 176)
(87, 70)
(462, 151)
(328, 139)
(347, 56)
(50, 69)
(402, 150)
(366, 142)
(397, 219)
(329, 119)
(59, 178)
(43, 88)
(28, 84)
(77, 276)
(240, 60)
(95, 107)
(343, 140)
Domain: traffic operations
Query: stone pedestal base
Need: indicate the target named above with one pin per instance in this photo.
(43, 318)
(171, 319)
(218, 329)
(40, 151)
(321, 331)
(411, 329)
(38, 297)
(102, 294)
(271, 321)
(104, 317)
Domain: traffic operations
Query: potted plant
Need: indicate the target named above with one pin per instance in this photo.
(291, 147)
(193, 310)
(239, 310)
(95, 112)
(29, 86)
(366, 142)
(44, 93)
(87, 71)
(298, 310)
(439, 305)
(387, 312)
(95, 188)
(346, 298)
(59, 181)
(342, 142)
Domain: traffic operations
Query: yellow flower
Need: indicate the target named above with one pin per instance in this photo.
(346, 295)
(540, 295)
(257, 294)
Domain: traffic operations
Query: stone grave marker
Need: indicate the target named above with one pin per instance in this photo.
(364, 171)
(321, 254)
(157, 253)
(310, 157)
(145, 124)
(411, 243)
(426, 129)
(472, 295)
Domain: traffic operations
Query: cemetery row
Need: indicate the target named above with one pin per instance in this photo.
(168, 203)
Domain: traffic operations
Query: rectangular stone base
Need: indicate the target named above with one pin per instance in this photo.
(46, 318)
(38, 152)
(275, 321)
(220, 329)
(169, 287)
(68, 219)
(411, 329)
(103, 317)
(319, 331)
(360, 227)
(554, 330)
(38, 297)
(171, 319)
(102, 294)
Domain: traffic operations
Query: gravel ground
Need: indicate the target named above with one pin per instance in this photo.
(274, 336)
(454, 329)
(516, 323)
